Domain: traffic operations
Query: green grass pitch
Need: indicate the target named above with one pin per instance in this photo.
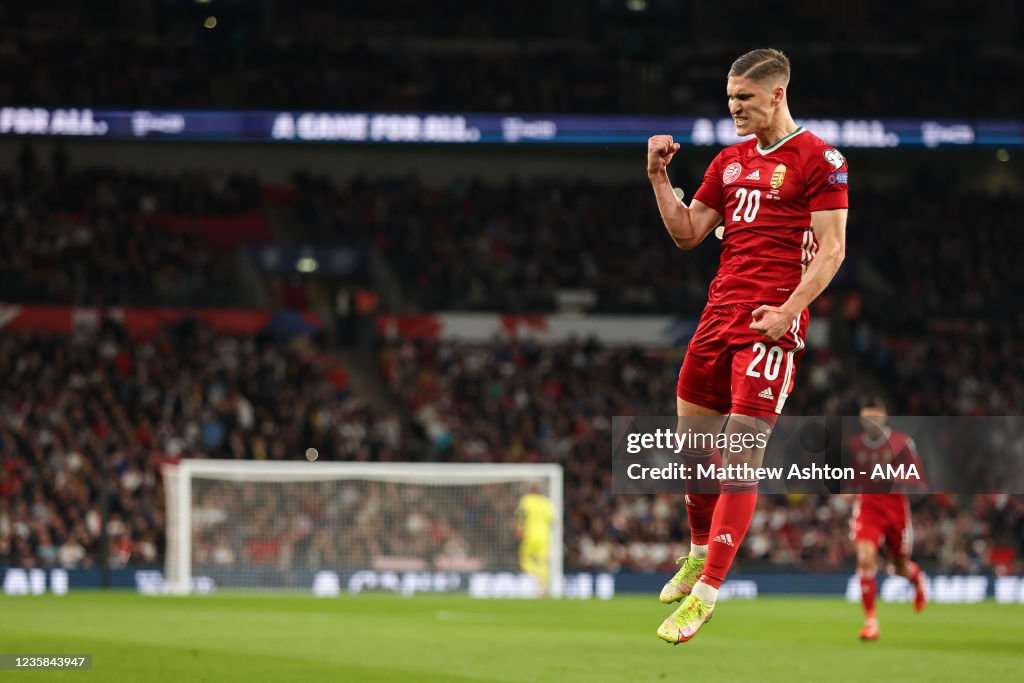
(455, 639)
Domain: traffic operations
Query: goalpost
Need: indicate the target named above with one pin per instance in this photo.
(276, 524)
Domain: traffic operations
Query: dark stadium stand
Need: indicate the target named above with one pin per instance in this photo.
(100, 237)
(579, 56)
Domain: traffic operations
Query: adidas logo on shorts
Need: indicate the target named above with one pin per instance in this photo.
(725, 538)
(756, 175)
(767, 393)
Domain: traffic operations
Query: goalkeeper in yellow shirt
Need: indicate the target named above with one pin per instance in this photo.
(534, 518)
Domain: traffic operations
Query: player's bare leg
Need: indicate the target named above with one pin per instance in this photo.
(700, 501)
(867, 569)
(912, 572)
(729, 525)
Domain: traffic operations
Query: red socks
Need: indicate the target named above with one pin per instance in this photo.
(868, 592)
(729, 525)
(700, 507)
(869, 587)
(913, 572)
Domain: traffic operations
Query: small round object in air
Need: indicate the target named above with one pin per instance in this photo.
(312, 454)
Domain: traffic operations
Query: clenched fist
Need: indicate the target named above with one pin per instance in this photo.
(660, 150)
(772, 321)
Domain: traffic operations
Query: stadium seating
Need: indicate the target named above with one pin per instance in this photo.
(89, 417)
(526, 58)
(66, 234)
(532, 244)
(100, 237)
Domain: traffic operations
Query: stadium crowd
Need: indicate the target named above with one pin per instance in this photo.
(88, 419)
(246, 531)
(103, 237)
(514, 246)
(112, 238)
(537, 245)
(100, 406)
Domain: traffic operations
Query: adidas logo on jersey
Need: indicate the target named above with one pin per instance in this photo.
(725, 538)
(756, 175)
(767, 393)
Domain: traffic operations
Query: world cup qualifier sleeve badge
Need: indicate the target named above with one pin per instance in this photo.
(834, 157)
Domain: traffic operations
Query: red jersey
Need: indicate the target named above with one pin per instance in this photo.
(894, 449)
(766, 197)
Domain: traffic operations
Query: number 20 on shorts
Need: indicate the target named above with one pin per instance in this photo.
(772, 358)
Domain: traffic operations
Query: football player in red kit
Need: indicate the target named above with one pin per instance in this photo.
(783, 197)
(878, 513)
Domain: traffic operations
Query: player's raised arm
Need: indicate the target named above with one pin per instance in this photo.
(830, 233)
(687, 226)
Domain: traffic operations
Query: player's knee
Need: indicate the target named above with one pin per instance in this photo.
(866, 559)
(696, 435)
(697, 447)
(746, 438)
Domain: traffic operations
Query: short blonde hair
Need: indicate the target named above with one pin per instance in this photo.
(766, 64)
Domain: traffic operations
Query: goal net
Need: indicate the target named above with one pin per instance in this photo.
(285, 525)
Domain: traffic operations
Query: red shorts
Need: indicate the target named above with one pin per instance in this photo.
(731, 368)
(884, 517)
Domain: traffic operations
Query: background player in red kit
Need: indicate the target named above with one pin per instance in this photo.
(783, 197)
(879, 515)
